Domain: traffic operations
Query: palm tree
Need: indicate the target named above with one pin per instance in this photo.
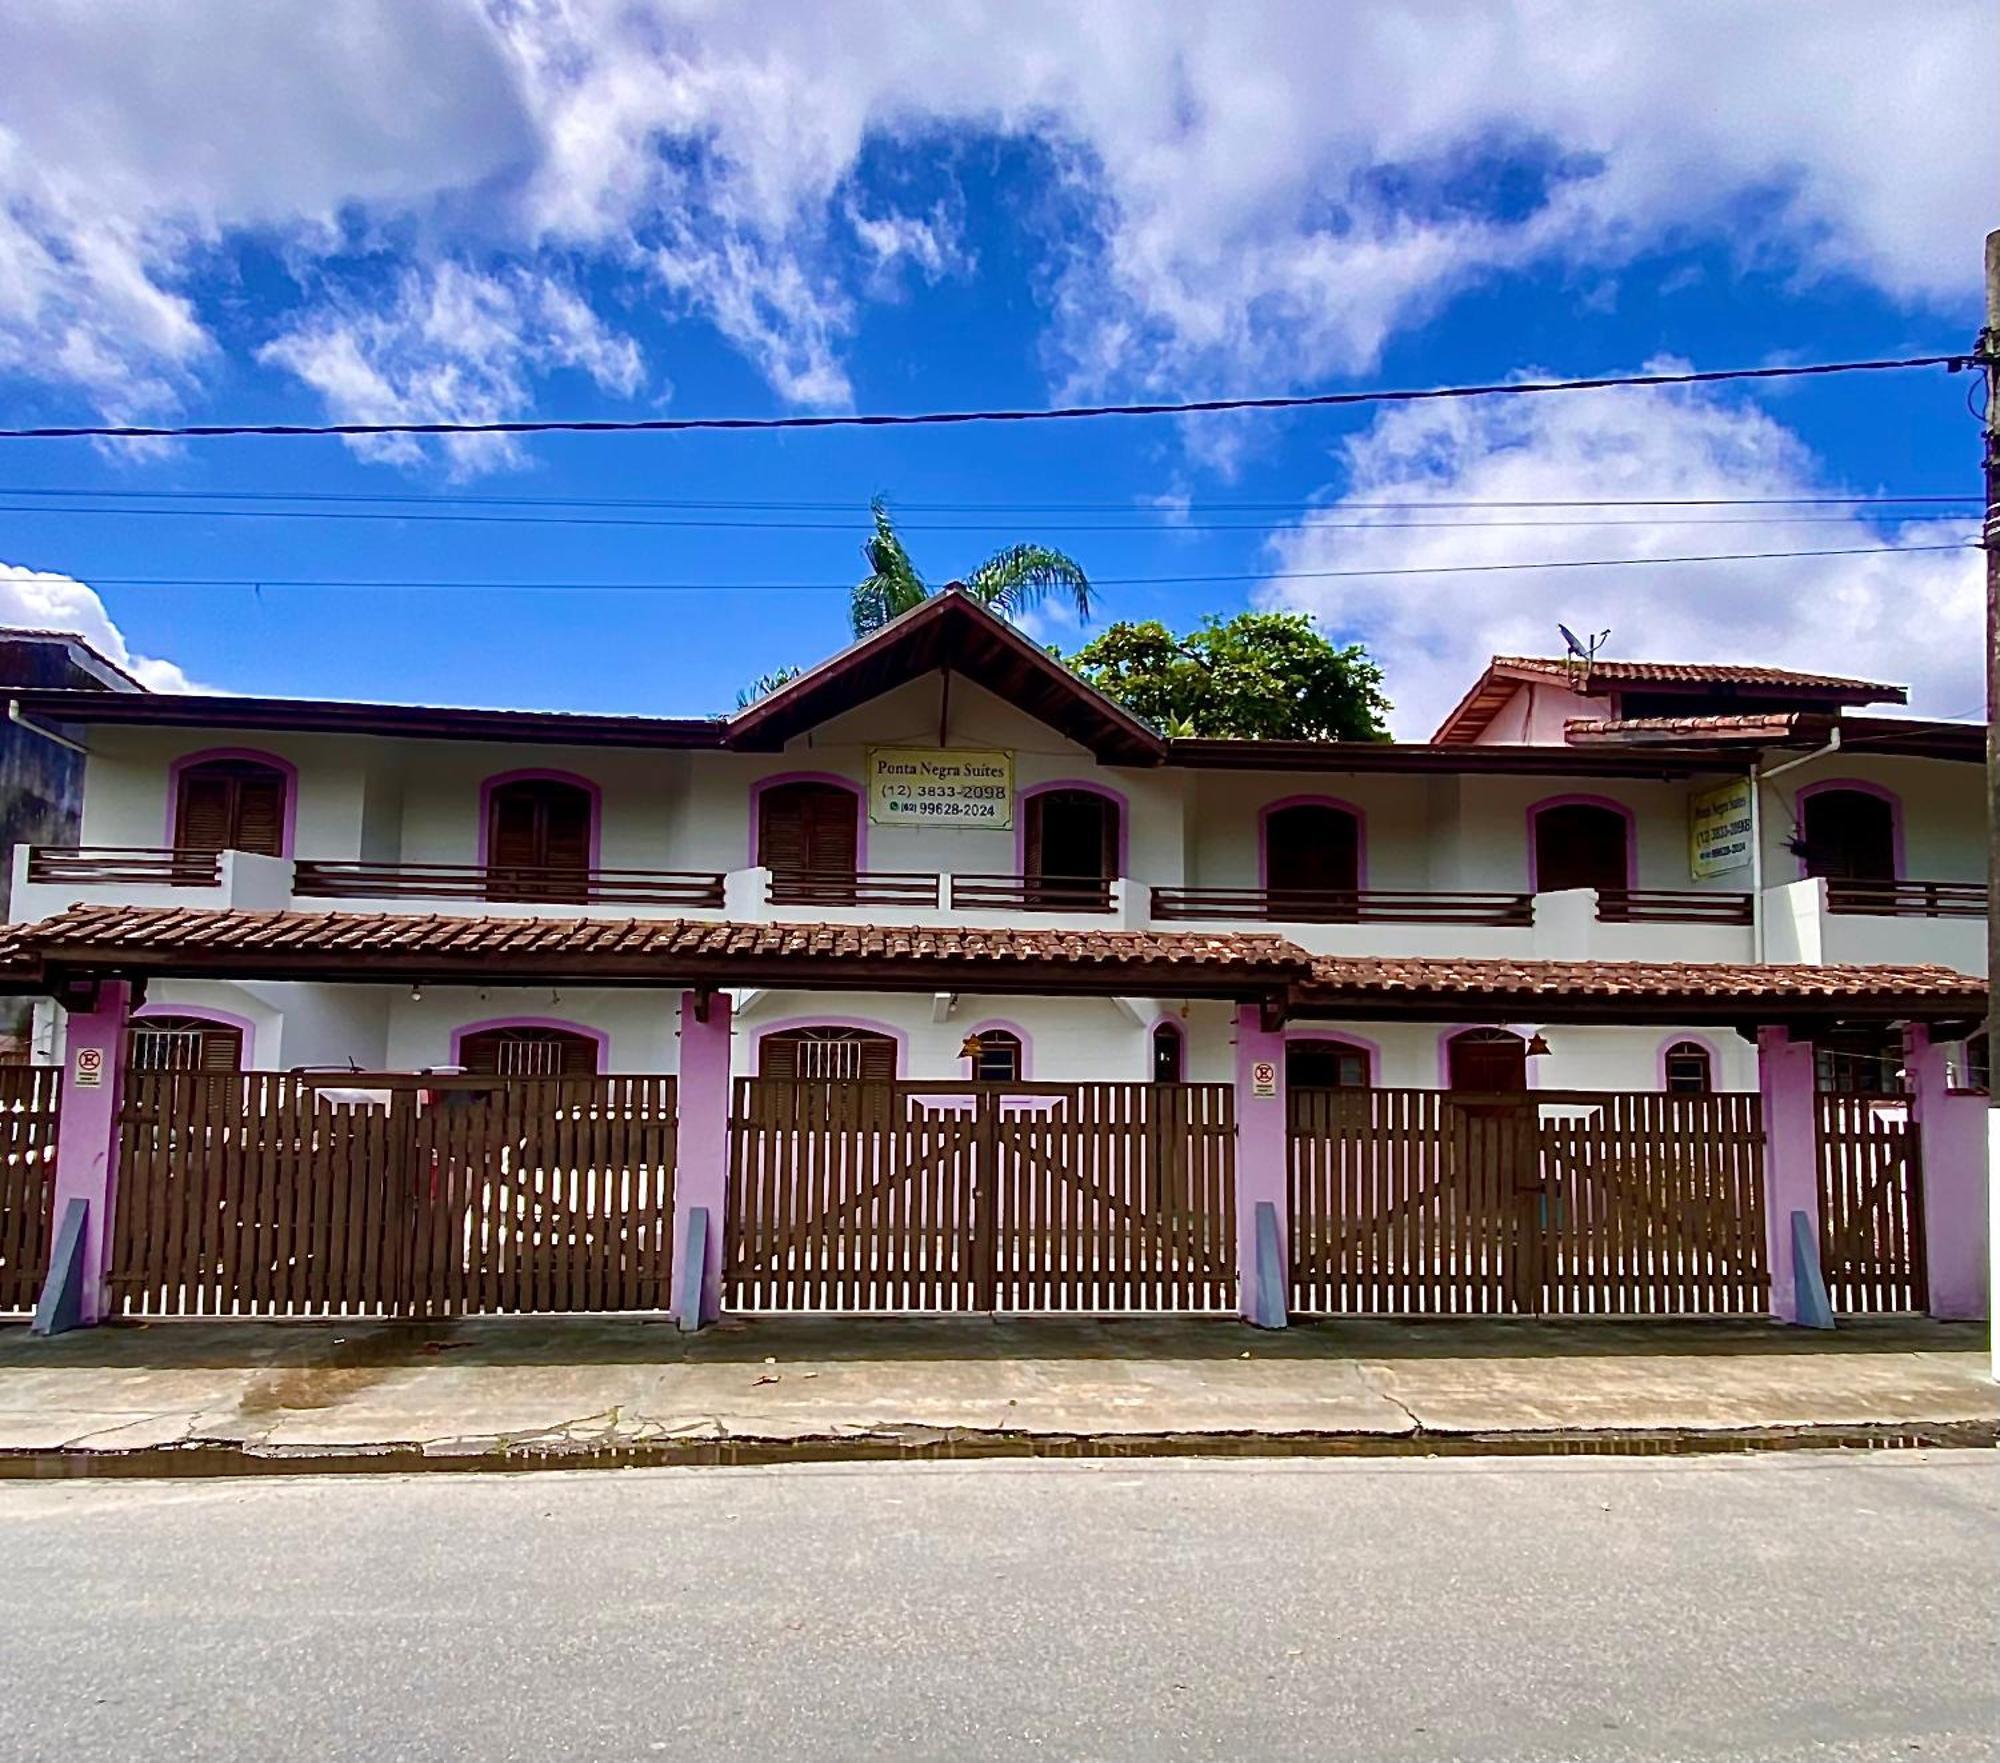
(1011, 582)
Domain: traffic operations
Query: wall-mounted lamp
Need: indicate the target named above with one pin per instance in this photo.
(416, 994)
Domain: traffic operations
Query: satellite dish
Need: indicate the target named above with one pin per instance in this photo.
(1575, 648)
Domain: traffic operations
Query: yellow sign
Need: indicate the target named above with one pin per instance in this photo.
(916, 786)
(1720, 828)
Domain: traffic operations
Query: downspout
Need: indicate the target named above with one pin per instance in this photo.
(1758, 779)
(15, 716)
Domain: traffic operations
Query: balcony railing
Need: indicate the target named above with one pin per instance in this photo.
(866, 887)
(1672, 906)
(475, 881)
(123, 866)
(1030, 893)
(1370, 906)
(1906, 899)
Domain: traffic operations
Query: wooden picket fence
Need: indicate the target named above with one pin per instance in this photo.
(1435, 1203)
(1085, 1197)
(1871, 1220)
(262, 1194)
(29, 1095)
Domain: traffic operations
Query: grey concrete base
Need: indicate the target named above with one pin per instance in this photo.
(582, 1385)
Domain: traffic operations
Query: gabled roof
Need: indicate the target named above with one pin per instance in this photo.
(84, 657)
(1505, 674)
(950, 630)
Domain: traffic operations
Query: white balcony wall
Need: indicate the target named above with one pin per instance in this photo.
(1799, 928)
(1567, 928)
(246, 881)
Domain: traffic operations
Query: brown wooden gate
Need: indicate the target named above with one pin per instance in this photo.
(1094, 1197)
(263, 1194)
(1429, 1202)
(29, 1095)
(1871, 1220)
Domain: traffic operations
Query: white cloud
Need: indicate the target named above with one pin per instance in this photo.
(452, 344)
(34, 599)
(1910, 617)
(1265, 189)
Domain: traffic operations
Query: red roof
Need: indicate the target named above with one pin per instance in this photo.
(387, 948)
(1505, 674)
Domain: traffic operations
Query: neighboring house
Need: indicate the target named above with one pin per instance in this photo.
(1510, 907)
(41, 783)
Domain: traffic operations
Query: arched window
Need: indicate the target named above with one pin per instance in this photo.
(1687, 1069)
(1864, 1062)
(1070, 843)
(1581, 845)
(829, 1054)
(1313, 848)
(1487, 1060)
(994, 1056)
(182, 1043)
(1169, 1053)
(231, 805)
(538, 840)
(529, 1052)
(1849, 835)
(809, 838)
(1325, 1065)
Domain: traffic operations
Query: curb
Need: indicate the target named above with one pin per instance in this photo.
(500, 1456)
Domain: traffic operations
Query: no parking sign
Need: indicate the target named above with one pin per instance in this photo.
(1264, 1077)
(89, 1068)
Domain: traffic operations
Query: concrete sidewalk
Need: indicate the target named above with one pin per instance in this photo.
(572, 1386)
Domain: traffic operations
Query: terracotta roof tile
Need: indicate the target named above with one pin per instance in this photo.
(668, 945)
(1432, 976)
(1696, 673)
(1605, 731)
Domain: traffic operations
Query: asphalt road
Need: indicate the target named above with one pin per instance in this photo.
(1760, 1607)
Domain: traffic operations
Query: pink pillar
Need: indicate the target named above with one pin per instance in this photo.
(1262, 1155)
(1951, 1144)
(1791, 1156)
(701, 1172)
(87, 1133)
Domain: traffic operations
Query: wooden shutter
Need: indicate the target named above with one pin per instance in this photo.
(1850, 835)
(511, 842)
(532, 1052)
(809, 828)
(1312, 848)
(201, 815)
(878, 1059)
(1578, 845)
(778, 1056)
(1488, 1060)
(260, 814)
(565, 828)
(538, 841)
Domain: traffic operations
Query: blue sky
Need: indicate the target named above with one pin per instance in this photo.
(444, 209)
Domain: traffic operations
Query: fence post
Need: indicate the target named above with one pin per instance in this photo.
(1262, 1170)
(701, 1152)
(87, 1133)
(1951, 1146)
(1791, 1157)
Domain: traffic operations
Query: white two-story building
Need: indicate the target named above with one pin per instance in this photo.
(941, 858)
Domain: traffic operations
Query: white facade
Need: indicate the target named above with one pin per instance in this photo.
(1425, 830)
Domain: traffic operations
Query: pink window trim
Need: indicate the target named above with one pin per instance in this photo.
(1622, 809)
(1860, 788)
(202, 1013)
(1019, 1033)
(533, 775)
(1367, 1048)
(250, 755)
(758, 788)
(1359, 815)
(1089, 788)
(1670, 1042)
(834, 1019)
(600, 1038)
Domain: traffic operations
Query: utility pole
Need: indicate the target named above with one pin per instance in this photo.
(1988, 361)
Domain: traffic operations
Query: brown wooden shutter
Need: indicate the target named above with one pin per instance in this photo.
(566, 829)
(1031, 839)
(201, 816)
(221, 1048)
(260, 814)
(807, 828)
(511, 842)
(1578, 845)
(878, 1059)
(778, 1056)
(1312, 848)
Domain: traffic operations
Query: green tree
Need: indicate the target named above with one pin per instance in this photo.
(1012, 581)
(765, 684)
(1258, 676)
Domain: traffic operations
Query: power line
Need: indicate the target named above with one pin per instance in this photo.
(717, 523)
(940, 418)
(1128, 581)
(852, 505)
